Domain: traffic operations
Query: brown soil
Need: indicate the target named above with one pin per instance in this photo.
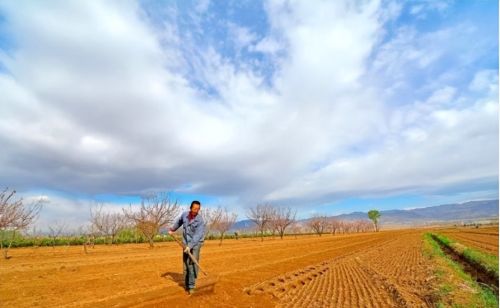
(393, 273)
(370, 269)
(484, 239)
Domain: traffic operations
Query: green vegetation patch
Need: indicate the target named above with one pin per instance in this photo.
(487, 262)
(455, 287)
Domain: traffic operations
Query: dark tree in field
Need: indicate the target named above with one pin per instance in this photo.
(374, 215)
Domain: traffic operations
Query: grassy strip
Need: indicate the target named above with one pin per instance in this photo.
(455, 287)
(487, 262)
(124, 237)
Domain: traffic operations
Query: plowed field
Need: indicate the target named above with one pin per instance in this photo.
(368, 270)
(485, 239)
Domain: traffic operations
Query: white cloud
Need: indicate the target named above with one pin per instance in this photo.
(100, 100)
(485, 80)
(422, 8)
(460, 150)
(268, 45)
(442, 96)
(242, 36)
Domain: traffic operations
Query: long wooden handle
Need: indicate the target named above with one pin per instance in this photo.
(190, 255)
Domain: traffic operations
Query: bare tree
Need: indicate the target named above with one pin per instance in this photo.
(82, 232)
(260, 215)
(55, 230)
(335, 225)
(296, 229)
(357, 225)
(155, 213)
(15, 216)
(282, 218)
(225, 222)
(109, 224)
(345, 226)
(366, 225)
(272, 225)
(36, 236)
(348, 226)
(318, 224)
(362, 225)
(211, 217)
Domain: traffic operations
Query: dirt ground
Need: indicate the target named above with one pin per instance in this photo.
(484, 239)
(369, 269)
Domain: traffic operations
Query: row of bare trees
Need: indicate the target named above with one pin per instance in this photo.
(158, 212)
(276, 219)
(271, 218)
(321, 224)
(218, 220)
(155, 213)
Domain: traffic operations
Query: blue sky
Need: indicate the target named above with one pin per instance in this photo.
(327, 107)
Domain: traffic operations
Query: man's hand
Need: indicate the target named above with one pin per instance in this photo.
(171, 232)
(187, 249)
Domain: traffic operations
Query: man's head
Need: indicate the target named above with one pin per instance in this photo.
(195, 207)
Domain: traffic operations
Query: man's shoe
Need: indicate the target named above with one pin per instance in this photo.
(191, 291)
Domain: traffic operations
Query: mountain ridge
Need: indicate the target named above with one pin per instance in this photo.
(466, 211)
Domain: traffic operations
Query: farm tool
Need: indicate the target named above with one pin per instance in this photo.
(204, 284)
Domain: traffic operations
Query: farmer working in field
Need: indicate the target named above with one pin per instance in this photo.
(193, 236)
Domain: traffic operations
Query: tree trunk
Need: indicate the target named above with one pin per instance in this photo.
(6, 250)
(1, 241)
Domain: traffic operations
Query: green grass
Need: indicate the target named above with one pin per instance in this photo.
(480, 297)
(127, 236)
(488, 262)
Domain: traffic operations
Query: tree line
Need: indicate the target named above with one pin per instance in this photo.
(156, 213)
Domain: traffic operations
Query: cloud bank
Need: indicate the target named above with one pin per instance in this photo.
(295, 102)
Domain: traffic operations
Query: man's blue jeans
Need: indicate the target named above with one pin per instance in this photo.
(190, 268)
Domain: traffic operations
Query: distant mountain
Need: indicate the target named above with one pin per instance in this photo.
(243, 225)
(447, 212)
(441, 213)
(467, 211)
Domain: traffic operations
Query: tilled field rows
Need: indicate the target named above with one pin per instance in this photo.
(135, 275)
(392, 274)
(383, 269)
(482, 239)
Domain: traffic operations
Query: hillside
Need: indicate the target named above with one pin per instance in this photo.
(487, 209)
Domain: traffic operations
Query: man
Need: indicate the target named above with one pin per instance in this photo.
(192, 238)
